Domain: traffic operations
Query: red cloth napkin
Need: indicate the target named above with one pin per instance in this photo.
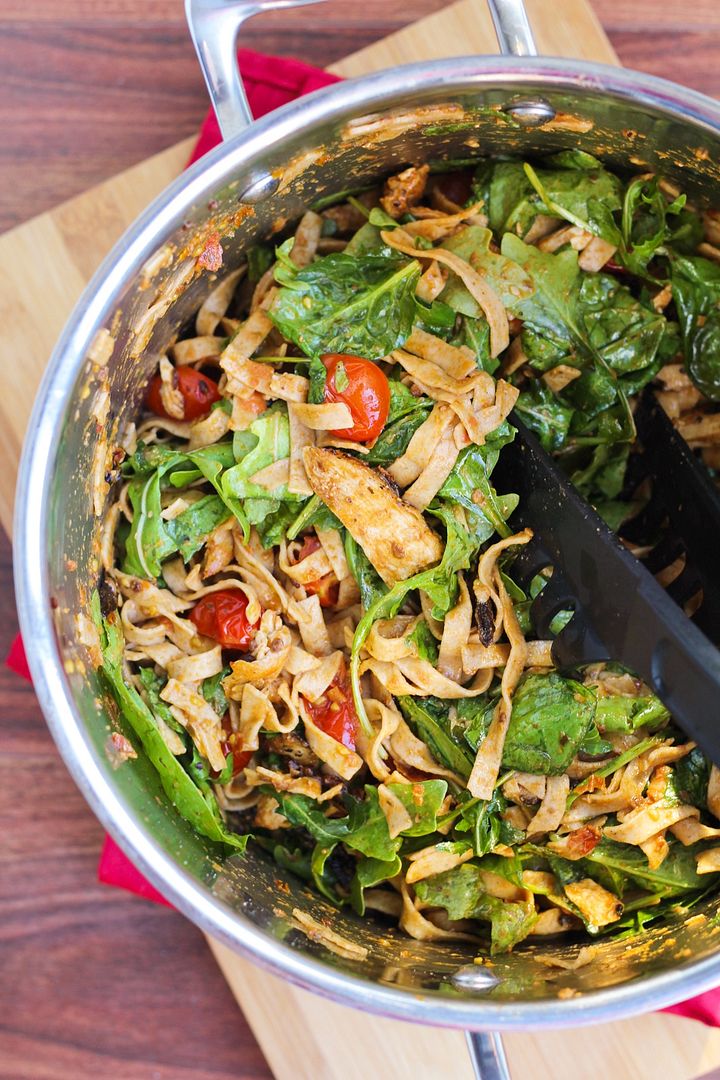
(270, 82)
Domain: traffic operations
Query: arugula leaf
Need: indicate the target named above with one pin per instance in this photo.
(481, 817)
(424, 641)
(371, 585)
(200, 809)
(357, 304)
(428, 719)
(296, 861)
(313, 514)
(369, 873)
(403, 402)
(266, 440)
(440, 584)
(321, 878)
(190, 529)
(148, 542)
(364, 828)
(696, 292)
(460, 892)
(583, 196)
(644, 226)
(469, 485)
(212, 690)
(550, 718)
(676, 874)
(422, 802)
(153, 684)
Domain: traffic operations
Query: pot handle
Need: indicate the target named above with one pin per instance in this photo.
(512, 28)
(487, 1055)
(214, 27)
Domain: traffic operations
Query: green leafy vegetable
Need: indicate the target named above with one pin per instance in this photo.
(696, 292)
(358, 304)
(428, 719)
(550, 718)
(364, 828)
(199, 808)
(461, 893)
(422, 801)
(618, 713)
(692, 775)
(424, 641)
(368, 874)
(371, 585)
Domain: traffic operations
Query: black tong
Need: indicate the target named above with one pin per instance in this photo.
(620, 611)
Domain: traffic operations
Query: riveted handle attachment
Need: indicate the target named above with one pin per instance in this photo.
(214, 27)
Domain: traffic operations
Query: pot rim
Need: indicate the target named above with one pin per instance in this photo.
(38, 462)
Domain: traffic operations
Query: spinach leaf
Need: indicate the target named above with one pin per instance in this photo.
(545, 414)
(475, 333)
(422, 802)
(358, 304)
(394, 439)
(428, 719)
(296, 861)
(550, 718)
(692, 775)
(696, 292)
(200, 809)
(260, 258)
(266, 440)
(618, 713)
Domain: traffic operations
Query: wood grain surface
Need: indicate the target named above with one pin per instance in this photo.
(94, 983)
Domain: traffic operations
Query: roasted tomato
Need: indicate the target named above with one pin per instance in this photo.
(222, 616)
(199, 393)
(362, 386)
(335, 713)
(240, 757)
(327, 587)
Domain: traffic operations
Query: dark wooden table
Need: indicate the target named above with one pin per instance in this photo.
(94, 983)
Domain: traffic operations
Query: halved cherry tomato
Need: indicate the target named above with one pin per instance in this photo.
(222, 616)
(228, 746)
(198, 391)
(327, 588)
(335, 713)
(362, 386)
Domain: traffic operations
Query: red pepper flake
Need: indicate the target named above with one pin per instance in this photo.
(211, 257)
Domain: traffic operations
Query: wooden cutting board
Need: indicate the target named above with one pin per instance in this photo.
(44, 264)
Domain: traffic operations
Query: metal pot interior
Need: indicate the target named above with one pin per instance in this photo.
(441, 112)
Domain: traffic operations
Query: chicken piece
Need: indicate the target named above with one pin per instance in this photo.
(393, 535)
(597, 906)
(404, 190)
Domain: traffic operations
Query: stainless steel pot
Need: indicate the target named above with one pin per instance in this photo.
(260, 178)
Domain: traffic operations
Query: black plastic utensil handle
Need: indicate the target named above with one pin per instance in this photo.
(621, 612)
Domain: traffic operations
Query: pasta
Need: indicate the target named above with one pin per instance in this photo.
(308, 613)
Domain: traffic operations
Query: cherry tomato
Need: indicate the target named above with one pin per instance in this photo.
(198, 391)
(222, 616)
(335, 713)
(327, 587)
(364, 389)
(228, 746)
